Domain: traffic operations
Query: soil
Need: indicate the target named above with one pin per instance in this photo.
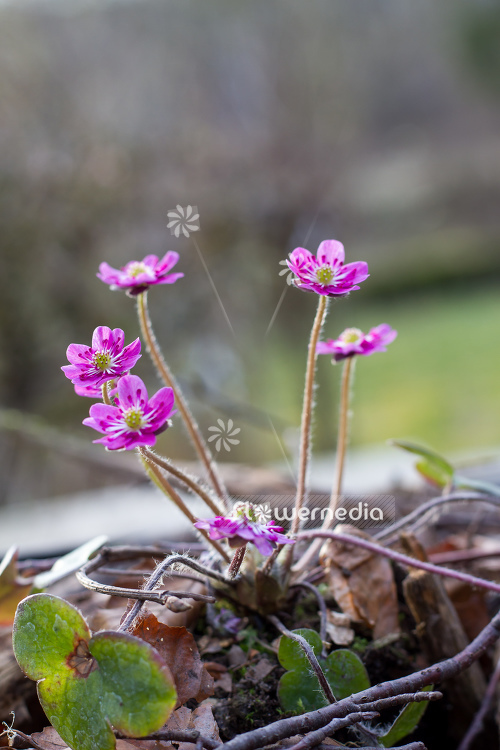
(253, 704)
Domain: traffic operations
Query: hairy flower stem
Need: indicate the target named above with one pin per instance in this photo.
(169, 379)
(398, 557)
(342, 440)
(235, 565)
(159, 479)
(305, 426)
(105, 395)
(193, 485)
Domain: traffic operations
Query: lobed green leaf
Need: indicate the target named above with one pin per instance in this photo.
(88, 685)
(299, 689)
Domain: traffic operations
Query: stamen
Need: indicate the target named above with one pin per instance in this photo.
(135, 269)
(325, 275)
(102, 360)
(351, 335)
(134, 419)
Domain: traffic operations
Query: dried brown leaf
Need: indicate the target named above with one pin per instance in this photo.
(215, 669)
(261, 670)
(224, 682)
(49, 739)
(12, 587)
(201, 720)
(178, 648)
(338, 628)
(362, 583)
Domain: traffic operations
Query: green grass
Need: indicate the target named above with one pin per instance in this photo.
(438, 382)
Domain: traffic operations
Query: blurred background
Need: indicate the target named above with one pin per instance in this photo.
(285, 123)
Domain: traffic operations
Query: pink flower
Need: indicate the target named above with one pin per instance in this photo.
(244, 527)
(89, 391)
(135, 420)
(106, 359)
(353, 341)
(139, 275)
(326, 273)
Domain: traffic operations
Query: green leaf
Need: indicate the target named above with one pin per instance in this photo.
(290, 653)
(432, 473)
(346, 673)
(405, 723)
(46, 629)
(299, 692)
(299, 689)
(87, 685)
(69, 563)
(433, 467)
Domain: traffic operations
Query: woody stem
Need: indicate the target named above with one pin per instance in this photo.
(342, 440)
(235, 565)
(167, 376)
(305, 427)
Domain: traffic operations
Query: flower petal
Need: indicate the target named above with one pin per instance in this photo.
(263, 545)
(166, 263)
(89, 391)
(130, 355)
(73, 371)
(354, 273)
(160, 408)
(79, 354)
(102, 338)
(170, 279)
(331, 252)
(325, 347)
(299, 258)
(108, 274)
(132, 392)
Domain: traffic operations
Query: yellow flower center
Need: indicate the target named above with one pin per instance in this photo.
(325, 275)
(245, 510)
(351, 335)
(135, 269)
(134, 418)
(102, 360)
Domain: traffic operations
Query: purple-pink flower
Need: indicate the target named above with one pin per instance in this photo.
(106, 359)
(353, 341)
(135, 420)
(89, 391)
(139, 275)
(325, 273)
(243, 527)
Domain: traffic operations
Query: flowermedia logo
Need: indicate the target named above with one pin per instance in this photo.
(264, 512)
(224, 435)
(286, 272)
(364, 512)
(183, 220)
